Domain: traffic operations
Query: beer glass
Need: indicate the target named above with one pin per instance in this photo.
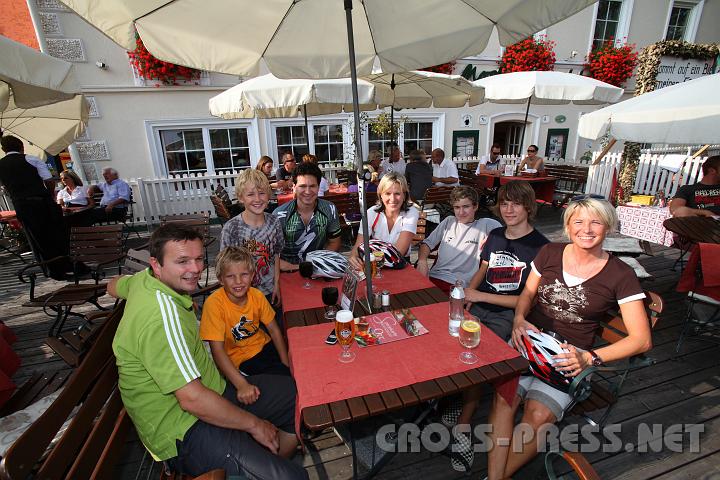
(379, 261)
(469, 337)
(345, 333)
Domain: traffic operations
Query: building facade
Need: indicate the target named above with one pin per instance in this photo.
(148, 130)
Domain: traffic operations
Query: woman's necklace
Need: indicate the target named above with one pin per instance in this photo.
(588, 268)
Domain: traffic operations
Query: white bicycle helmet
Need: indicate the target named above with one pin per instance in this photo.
(393, 258)
(539, 350)
(327, 263)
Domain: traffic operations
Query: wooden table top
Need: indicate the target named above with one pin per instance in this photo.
(695, 229)
(358, 408)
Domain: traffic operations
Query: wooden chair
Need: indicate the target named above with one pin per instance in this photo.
(602, 392)
(221, 210)
(576, 461)
(487, 194)
(570, 181)
(436, 195)
(95, 248)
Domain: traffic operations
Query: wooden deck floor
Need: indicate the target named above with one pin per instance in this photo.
(681, 390)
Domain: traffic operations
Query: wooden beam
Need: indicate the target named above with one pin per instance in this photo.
(605, 151)
(701, 151)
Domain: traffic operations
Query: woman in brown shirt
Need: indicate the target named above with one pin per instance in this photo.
(569, 290)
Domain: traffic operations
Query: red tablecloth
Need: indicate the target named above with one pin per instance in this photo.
(295, 297)
(645, 223)
(322, 379)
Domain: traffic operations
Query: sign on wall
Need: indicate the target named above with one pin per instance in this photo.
(673, 70)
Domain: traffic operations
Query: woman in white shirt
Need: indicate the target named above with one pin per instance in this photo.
(393, 220)
(74, 194)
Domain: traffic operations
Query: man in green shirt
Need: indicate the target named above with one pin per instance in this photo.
(183, 410)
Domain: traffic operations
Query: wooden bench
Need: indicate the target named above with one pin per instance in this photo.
(570, 181)
(95, 433)
(602, 392)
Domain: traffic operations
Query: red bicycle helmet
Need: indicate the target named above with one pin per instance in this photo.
(539, 350)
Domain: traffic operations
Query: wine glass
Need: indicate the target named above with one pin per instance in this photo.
(330, 298)
(345, 333)
(306, 271)
(379, 260)
(469, 338)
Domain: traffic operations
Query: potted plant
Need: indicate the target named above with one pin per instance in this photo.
(611, 63)
(531, 54)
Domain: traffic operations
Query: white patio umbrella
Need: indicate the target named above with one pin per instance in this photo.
(33, 78)
(49, 127)
(420, 89)
(546, 88)
(687, 113)
(317, 39)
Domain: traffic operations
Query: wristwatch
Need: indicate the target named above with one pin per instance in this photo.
(596, 360)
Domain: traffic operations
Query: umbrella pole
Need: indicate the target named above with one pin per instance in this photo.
(522, 136)
(392, 109)
(358, 148)
(307, 128)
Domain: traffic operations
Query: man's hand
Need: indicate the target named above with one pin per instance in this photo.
(266, 434)
(248, 394)
(108, 209)
(473, 296)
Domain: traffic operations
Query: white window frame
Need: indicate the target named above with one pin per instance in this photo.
(438, 131)
(271, 126)
(623, 27)
(693, 20)
(157, 157)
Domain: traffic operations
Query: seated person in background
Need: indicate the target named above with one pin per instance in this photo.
(184, 411)
(265, 165)
(570, 289)
(532, 160)
(374, 163)
(445, 172)
(284, 174)
(115, 198)
(324, 187)
(490, 163)
(419, 175)
(394, 218)
(309, 223)
(460, 240)
(395, 162)
(231, 322)
(73, 194)
(495, 288)
(257, 231)
(702, 198)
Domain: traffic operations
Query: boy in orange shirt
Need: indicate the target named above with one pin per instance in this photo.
(231, 323)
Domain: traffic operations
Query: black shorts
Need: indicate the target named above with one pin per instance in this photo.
(266, 362)
(207, 447)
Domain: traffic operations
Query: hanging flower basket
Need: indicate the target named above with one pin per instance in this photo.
(150, 68)
(612, 64)
(527, 55)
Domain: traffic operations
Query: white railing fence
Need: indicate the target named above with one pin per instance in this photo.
(190, 193)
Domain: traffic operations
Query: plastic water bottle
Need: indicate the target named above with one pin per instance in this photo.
(457, 308)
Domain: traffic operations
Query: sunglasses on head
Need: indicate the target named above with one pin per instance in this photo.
(578, 198)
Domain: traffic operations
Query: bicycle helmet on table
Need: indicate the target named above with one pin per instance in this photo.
(393, 258)
(327, 263)
(539, 350)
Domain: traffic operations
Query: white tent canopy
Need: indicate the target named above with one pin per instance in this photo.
(685, 113)
(33, 78)
(270, 97)
(308, 38)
